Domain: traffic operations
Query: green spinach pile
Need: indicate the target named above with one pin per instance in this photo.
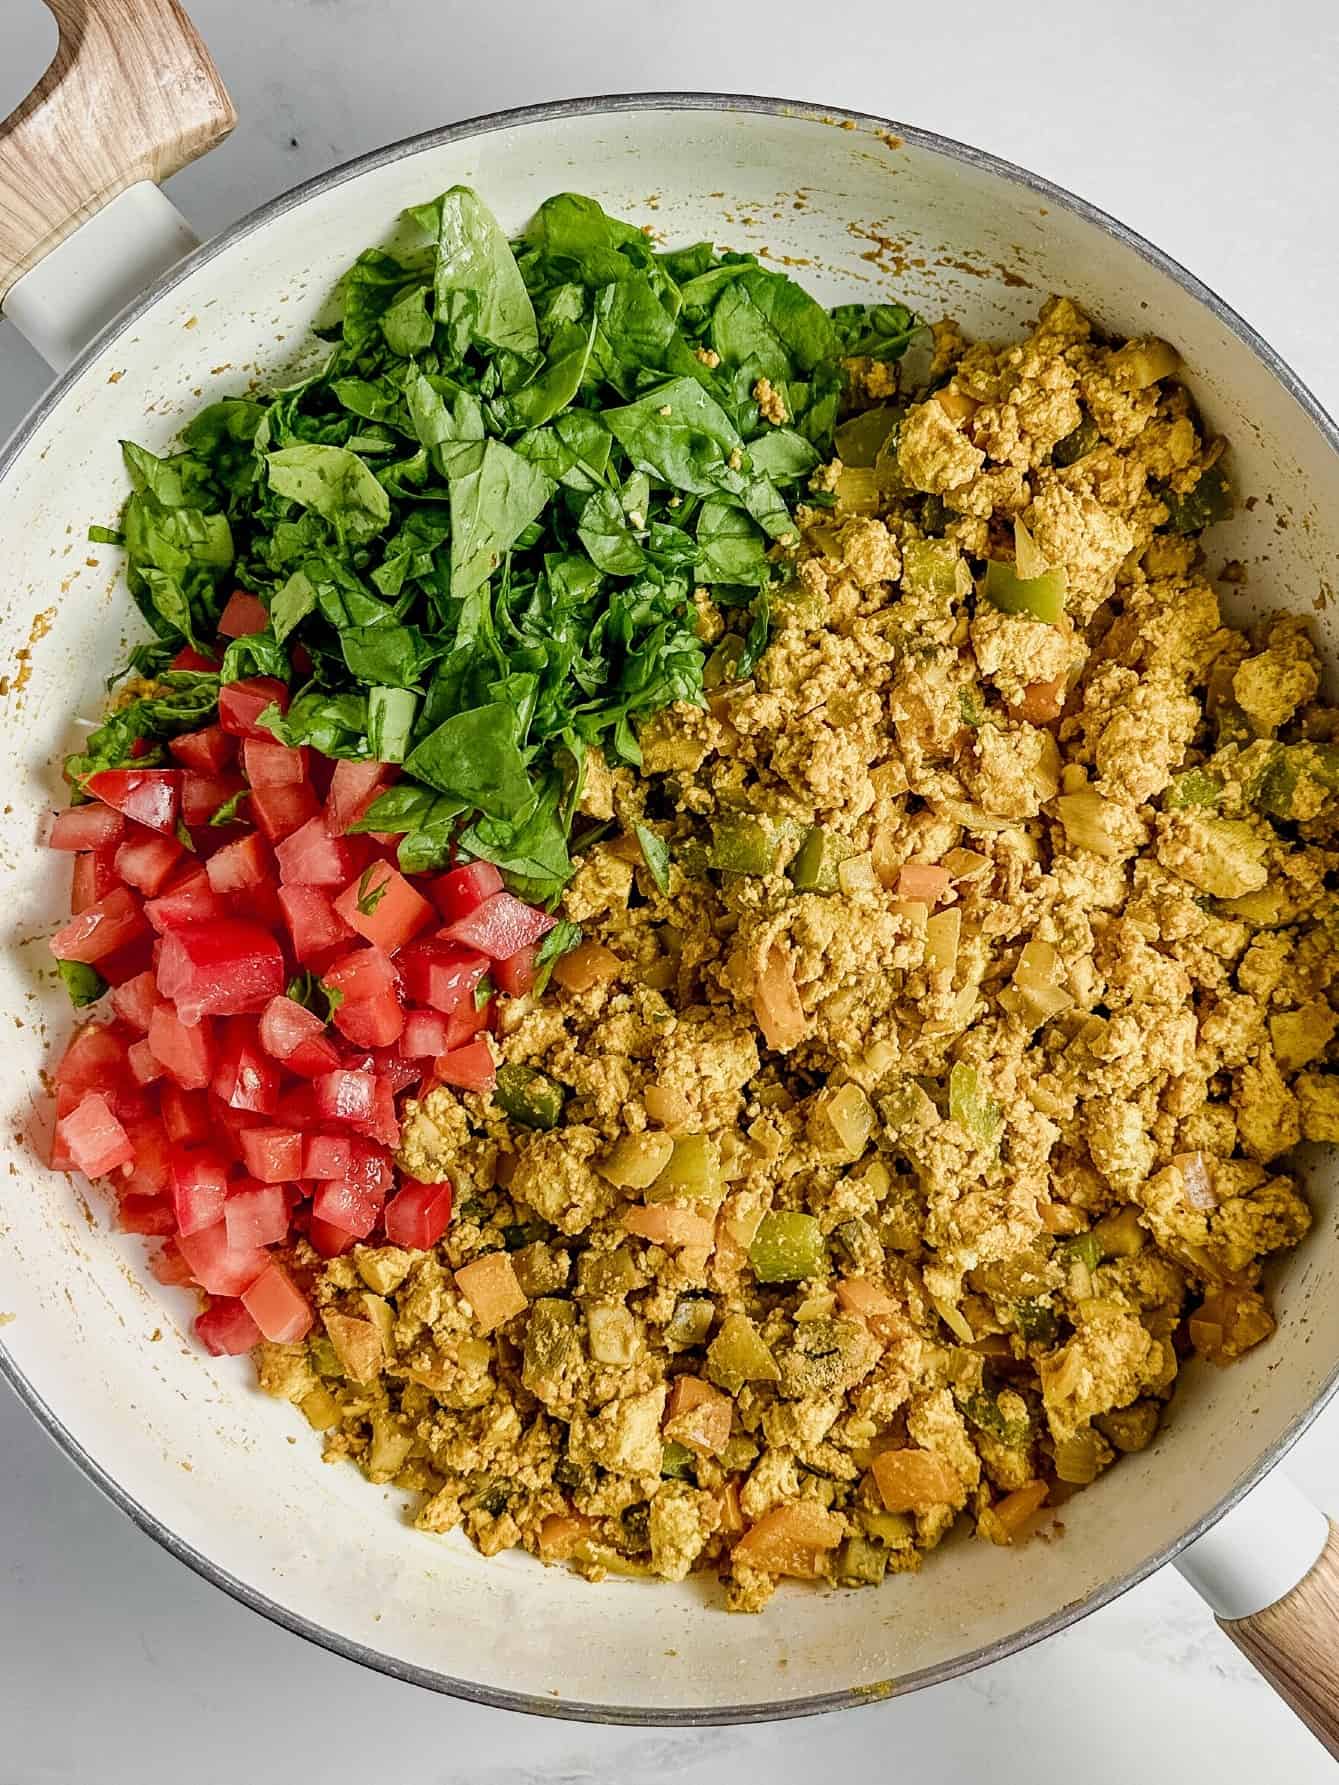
(477, 529)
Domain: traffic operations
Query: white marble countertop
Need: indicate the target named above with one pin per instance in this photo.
(1205, 125)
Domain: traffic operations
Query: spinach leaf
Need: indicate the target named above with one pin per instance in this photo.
(475, 757)
(490, 508)
(83, 982)
(474, 257)
(334, 483)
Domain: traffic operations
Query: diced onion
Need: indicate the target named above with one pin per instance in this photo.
(1195, 1181)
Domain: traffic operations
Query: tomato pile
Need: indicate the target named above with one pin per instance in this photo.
(227, 1114)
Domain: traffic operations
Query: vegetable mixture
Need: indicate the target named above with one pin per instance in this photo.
(936, 973)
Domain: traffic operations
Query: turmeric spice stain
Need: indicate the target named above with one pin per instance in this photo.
(23, 657)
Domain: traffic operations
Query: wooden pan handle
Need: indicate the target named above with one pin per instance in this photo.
(131, 95)
(1295, 1645)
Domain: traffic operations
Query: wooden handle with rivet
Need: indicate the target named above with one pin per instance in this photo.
(131, 95)
(1295, 1645)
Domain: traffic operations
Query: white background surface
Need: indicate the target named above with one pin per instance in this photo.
(1207, 124)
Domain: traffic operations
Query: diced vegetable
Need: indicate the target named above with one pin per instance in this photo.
(243, 615)
(382, 906)
(112, 923)
(1015, 1509)
(529, 1096)
(184, 1050)
(312, 857)
(739, 1354)
(776, 1003)
(441, 973)
(588, 964)
(151, 797)
(242, 703)
(787, 1248)
(1077, 444)
(468, 1068)
(970, 1106)
(94, 1139)
(915, 1480)
(635, 1161)
(220, 968)
(277, 1306)
(256, 1217)
(418, 1215)
(791, 1539)
(1041, 596)
(815, 864)
(219, 1267)
(499, 926)
(741, 845)
(666, 1224)
(86, 827)
(692, 1171)
(489, 1285)
(226, 1329)
(464, 889)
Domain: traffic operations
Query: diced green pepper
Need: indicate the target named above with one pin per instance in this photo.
(985, 1411)
(609, 1274)
(692, 1173)
(1084, 1248)
(1190, 511)
(1120, 1235)
(690, 1322)
(970, 1107)
(1078, 443)
(861, 1563)
(859, 439)
(1287, 771)
(970, 709)
(655, 853)
(787, 1248)
(325, 1359)
(519, 1234)
(1035, 1319)
(721, 665)
(741, 845)
(814, 868)
(1195, 787)
(934, 567)
(1041, 596)
(739, 1354)
(677, 1462)
(529, 1096)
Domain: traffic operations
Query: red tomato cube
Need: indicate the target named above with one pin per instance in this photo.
(468, 1068)
(463, 890)
(330, 1241)
(143, 1064)
(313, 923)
(151, 1215)
(381, 905)
(353, 787)
(243, 866)
(347, 1207)
(203, 795)
(242, 703)
(94, 877)
(225, 1329)
(86, 827)
(256, 1216)
(347, 1097)
(218, 1267)
(516, 975)
(151, 1173)
(440, 973)
(368, 985)
(418, 1215)
(390, 1064)
(185, 1115)
(188, 899)
(243, 615)
(277, 1306)
(273, 1155)
(385, 1124)
(500, 926)
(285, 1025)
(209, 751)
(145, 863)
(93, 1138)
(167, 1266)
(312, 857)
(220, 968)
(189, 658)
(134, 1000)
(280, 811)
(184, 1050)
(199, 1186)
(272, 764)
(465, 1022)
(101, 928)
(152, 797)
(424, 1035)
(245, 1080)
(327, 1156)
(95, 1060)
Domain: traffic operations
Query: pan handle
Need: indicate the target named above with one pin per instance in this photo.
(1270, 1569)
(131, 96)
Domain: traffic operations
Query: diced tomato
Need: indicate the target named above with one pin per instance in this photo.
(185, 1115)
(371, 1168)
(86, 827)
(94, 875)
(424, 1034)
(243, 866)
(389, 1063)
(189, 658)
(93, 1138)
(185, 1050)
(348, 1097)
(187, 899)
(418, 1215)
(95, 1060)
(101, 928)
(220, 968)
(151, 1215)
(199, 1186)
(330, 1241)
(151, 1173)
(465, 1022)
(468, 1068)
(383, 906)
(346, 1206)
(218, 1267)
(209, 751)
(133, 1001)
(242, 703)
(273, 1155)
(273, 764)
(312, 857)
(243, 615)
(152, 797)
(225, 1329)
(285, 1025)
(279, 811)
(463, 890)
(130, 961)
(313, 923)
(500, 926)
(353, 787)
(296, 1108)
(245, 1078)
(277, 1306)
(167, 1266)
(146, 862)
(385, 1124)
(144, 1064)
(516, 975)
(440, 973)
(370, 1014)
(256, 1216)
(327, 1155)
(202, 796)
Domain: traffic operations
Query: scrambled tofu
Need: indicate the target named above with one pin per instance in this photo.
(882, 1167)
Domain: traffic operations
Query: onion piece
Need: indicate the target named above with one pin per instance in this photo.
(1195, 1181)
